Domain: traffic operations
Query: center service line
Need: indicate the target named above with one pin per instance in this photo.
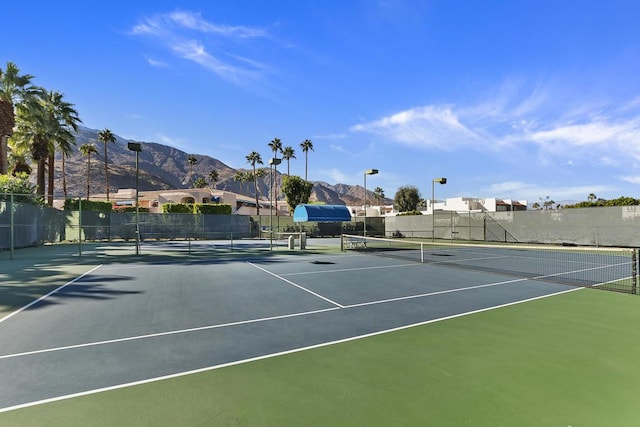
(296, 285)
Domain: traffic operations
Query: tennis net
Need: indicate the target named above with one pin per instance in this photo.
(606, 268)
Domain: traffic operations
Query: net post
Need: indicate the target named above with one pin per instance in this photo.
(342, 243)
(422, 252)
(634, 271)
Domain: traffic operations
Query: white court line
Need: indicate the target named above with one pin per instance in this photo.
(296, 285)
(162, 334)
(341, 270)
(268, 356)
(58, 289)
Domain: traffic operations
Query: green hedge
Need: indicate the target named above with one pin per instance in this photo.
(197, 208)
(177, 208)
(211, 209)
(410, 213)
(87, 205)
(132, 209)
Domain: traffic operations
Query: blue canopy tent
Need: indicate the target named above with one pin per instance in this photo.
(321, 213)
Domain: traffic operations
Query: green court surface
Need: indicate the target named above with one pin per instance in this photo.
(566, 360)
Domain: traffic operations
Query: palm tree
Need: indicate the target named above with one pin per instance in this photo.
(106, 136)
(306, 145)
(276, 147)
(288, 153)
(192, 161)
(13, 89)
(87, 150)
(254, 159)
(18, 162)
(240, 176)
(592, 197)
(378, 194)
(44, 122)
(213, 177)
(64, 120)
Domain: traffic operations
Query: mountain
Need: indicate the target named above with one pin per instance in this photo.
(162, 168)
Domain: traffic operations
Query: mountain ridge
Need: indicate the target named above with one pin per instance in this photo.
(162, 167)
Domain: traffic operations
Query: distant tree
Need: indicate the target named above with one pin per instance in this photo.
(547, 203)
(213, 177)
(200, 182)
(535, 206)
(106, 136)
(378, 194)
(306, 145)
(254, 159)
(296, 190)
(591, 197)
(88, 150)
(288, 153)
(242, 177)
(407, 198)
(192, 161)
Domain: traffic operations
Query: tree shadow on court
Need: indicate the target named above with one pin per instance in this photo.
(24, 286)
(34, 272)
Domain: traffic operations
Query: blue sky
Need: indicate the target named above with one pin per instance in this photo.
(511, 99)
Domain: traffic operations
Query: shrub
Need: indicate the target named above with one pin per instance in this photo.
(177, 208)
(212, 209)
(410, 213)
(87, 205)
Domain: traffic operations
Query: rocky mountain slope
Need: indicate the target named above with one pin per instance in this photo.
(163, 167)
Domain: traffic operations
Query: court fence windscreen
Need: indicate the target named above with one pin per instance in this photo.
(606, 268)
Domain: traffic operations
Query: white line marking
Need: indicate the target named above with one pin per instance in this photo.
(341, 270)
(268, 356)
(58, 289)
(245, 322)
(162, 334)
(448, 291)
(296, 285)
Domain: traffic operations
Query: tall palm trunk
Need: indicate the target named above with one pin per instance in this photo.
(88, 174)
(3, 154)
(51, 173)
(106, 168)
(7, 122)
(64, 178)
(255, 187)
(40, 152)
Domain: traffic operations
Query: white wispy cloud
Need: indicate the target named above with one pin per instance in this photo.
(187, 35)
(633, 179)
(533, 192)
(155, 63)
(179, 143)
(428, 126)
(337, 176)
(514, 118)
(339, 148)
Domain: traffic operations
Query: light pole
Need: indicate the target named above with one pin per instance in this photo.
(367, 172)
(272, 163)
(137, 148)
(433, 201)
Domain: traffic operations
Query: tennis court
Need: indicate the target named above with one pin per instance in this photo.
(130, 322)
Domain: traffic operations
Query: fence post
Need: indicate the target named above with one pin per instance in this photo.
(79, 226)
(11, 226)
